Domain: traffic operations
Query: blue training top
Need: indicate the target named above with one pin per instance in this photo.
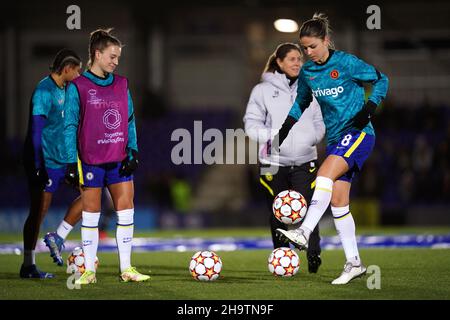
(73, 116)
(47, 102)
(337, 85)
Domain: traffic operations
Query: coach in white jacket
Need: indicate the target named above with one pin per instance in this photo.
(268, 106)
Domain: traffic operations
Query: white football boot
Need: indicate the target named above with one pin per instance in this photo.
(296, 237)
(350, 272)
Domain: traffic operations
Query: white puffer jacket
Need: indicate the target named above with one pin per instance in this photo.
(268, 106)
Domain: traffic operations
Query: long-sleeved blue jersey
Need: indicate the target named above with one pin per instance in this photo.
(45, 129)
(72, 116)
(338, 87)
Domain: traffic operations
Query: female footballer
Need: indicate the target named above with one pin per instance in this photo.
(335, 78)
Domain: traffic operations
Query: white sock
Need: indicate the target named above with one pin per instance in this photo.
(29, 258)
(345, 227)
(124, 237)
(64, 229)
(319, 203)
(89, 237)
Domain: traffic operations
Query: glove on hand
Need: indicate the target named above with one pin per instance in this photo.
(129, 164)
(362, 118)
(71, 177)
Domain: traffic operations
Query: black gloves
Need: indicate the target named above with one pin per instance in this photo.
(362, 118)
(282, 134)
(40, 177)
(72, 175)
(129, 164)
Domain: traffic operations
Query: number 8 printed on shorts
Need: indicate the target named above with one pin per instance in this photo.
(346, 140)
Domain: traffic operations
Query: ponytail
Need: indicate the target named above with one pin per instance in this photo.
(280, 53)
(63, 58)
(317, 27)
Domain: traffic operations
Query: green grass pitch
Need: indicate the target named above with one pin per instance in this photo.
(405, 273)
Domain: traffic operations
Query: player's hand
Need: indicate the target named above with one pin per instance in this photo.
(129, 164)
(273, 147)
(71, 176)
(362, 118)
(282, 134)
(266, 149)
(40, 177)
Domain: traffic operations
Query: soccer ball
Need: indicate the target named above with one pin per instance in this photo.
(205, 266)
(289, 207)
(75, 262)
(283, 262)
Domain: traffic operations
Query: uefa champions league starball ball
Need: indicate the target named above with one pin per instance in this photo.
(283, 262)
(289, 207)
(205, 266)
(75, 261)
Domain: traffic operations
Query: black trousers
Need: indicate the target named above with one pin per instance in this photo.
(298, 178)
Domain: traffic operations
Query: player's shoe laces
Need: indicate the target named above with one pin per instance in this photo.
(87, 277)
(32, 272)
(314, 262)
(350, 272)
(296, 237)
(55, 244)
(131, 274)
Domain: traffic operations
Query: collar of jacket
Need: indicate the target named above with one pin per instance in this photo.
(280, 81)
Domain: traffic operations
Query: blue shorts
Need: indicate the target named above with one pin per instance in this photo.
(55, 178)
(102, 175)
(355, 147)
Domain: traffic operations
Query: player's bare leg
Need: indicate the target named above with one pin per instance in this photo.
(55, 240)
(39, 203)
(91, 199)
(122, 195)
(73, 214)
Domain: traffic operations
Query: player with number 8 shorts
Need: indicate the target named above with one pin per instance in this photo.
(335, 78)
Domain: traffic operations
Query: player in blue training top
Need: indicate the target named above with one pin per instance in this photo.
(45, 153)
(335, 78)
(100, 133)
